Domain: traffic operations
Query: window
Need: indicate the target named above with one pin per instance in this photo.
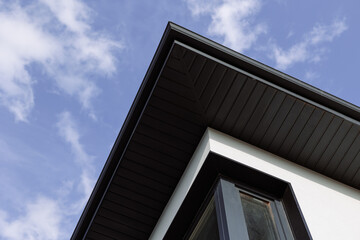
(243, 202)
(260, 217)
(207, 227)
(237, 213)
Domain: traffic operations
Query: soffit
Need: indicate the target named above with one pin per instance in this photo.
(190, 90)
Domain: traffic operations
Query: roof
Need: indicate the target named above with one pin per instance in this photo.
(193, 83)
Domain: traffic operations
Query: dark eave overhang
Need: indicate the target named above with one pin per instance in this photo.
(261, 70)
(164, 97)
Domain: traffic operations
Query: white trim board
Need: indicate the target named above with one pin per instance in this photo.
(331, 209)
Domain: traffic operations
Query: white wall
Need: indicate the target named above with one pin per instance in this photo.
(331, 209)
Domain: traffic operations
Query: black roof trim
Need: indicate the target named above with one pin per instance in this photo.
(263, 71)
(277, 86)
(124, 135)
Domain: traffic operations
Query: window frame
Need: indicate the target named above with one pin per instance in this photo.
(210, 205)
(230, 213)
(242, 178)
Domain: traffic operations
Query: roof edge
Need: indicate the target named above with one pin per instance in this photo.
(263, 71)
(124, 134)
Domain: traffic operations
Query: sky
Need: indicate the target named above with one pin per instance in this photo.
(70, 69)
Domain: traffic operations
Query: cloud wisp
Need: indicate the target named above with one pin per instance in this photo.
(41, 221)
(308, 49)
(231, 19)
(236, 21)
(67, 129)
(22, 42)
(56, 35)
(49, 216)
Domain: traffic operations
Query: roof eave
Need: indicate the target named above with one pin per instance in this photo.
(125, 133)
(174, 32)
(263, 71)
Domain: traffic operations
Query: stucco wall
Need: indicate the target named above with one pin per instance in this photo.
(331, 209)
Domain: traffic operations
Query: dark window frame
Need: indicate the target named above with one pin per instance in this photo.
(277, 208)
(244, 177)
(201, 224)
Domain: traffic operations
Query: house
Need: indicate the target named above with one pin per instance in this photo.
(219, 146)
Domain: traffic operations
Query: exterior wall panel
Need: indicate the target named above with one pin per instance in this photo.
(330, 208)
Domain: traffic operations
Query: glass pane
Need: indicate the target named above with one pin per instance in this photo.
(207, 227)
(259, 218)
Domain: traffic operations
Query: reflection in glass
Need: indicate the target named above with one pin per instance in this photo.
(259, 218)
(207, 227)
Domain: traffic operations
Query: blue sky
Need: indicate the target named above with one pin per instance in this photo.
(69, 71)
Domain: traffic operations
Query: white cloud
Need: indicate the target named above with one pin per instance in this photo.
(309, 48)
(73, 14)
(231, 19)
(41, 220)
(198, 7)
(311, 75)
(327, 33)
(284, 58)
(235, 21)
(22, 42)
(68, 131)
(58, 36)
(51, 217)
